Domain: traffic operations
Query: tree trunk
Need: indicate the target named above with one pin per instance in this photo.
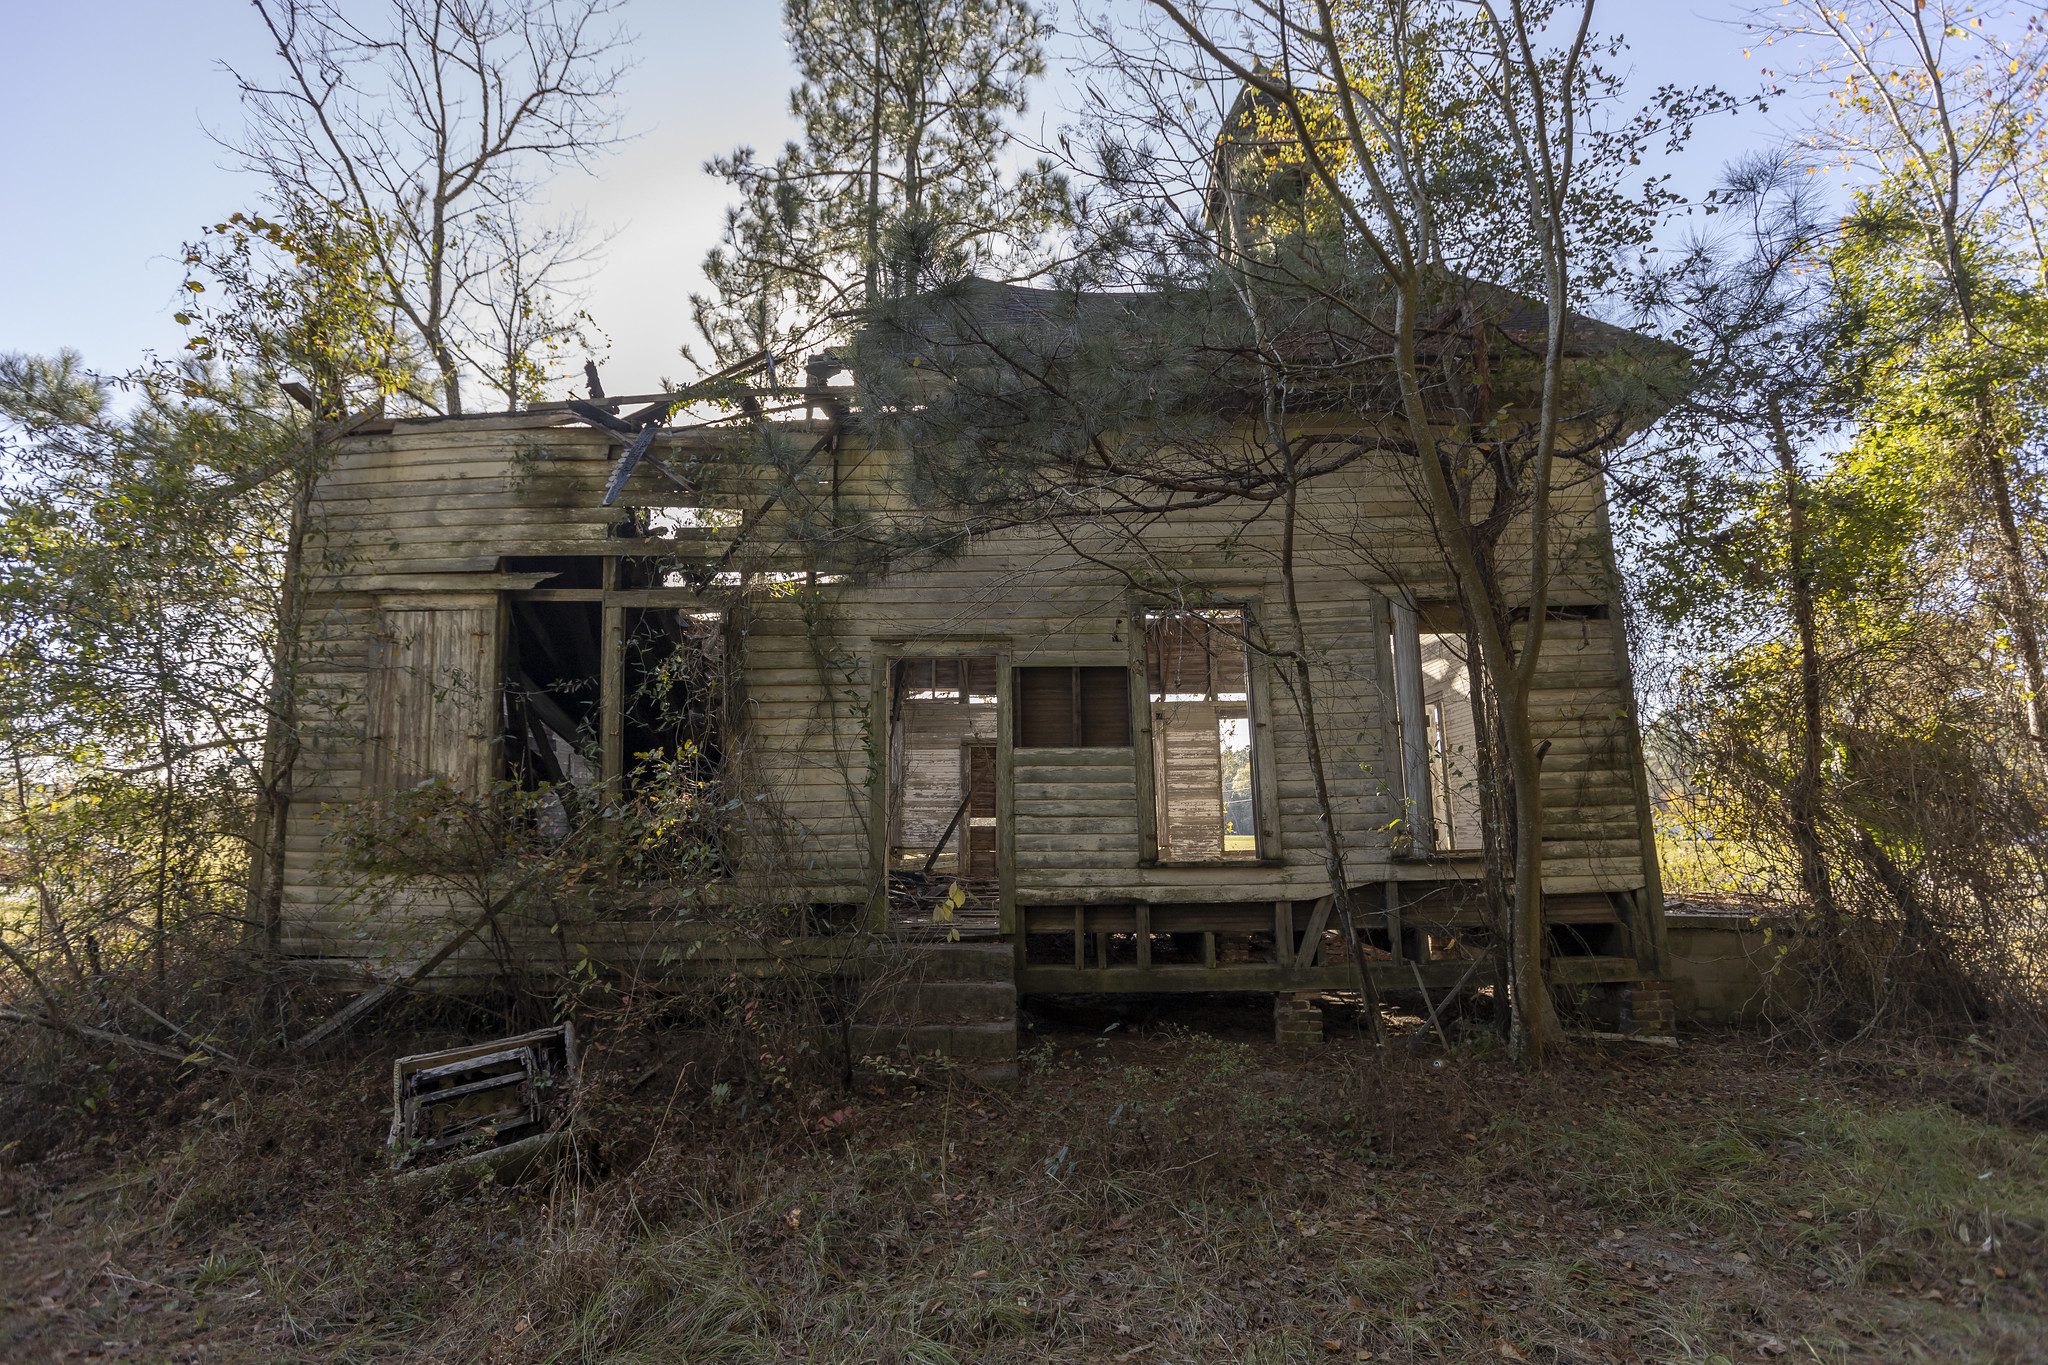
(282, 750)
(1535, 1016)
(1326, 814)
(1512, 676)
(166, 754)
(1805, 795)
(2012, 557)
(1496, 822)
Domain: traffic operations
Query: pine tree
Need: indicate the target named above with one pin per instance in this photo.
(899, 179)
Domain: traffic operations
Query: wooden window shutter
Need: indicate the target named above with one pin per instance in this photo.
(1073, 708)
(1190, 781)
(433, 699)
(1045, 708)
(1105, 707)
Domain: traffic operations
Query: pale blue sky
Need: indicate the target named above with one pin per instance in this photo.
(106, 164)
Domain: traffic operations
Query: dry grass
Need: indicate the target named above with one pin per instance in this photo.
(1175, 1196)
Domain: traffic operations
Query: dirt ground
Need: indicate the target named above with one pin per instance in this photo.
(1162, 1185)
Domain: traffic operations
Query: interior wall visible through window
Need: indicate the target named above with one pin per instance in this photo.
(1453, 764)
(942, 768)
(1202, 735)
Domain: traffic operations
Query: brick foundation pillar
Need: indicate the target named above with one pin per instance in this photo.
(1297, 1020)
(1646, 1008)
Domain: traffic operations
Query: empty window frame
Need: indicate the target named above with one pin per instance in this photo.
(1199, 687)
(1449, 731)
(942, 769)
(1433, 695)
(607, 690)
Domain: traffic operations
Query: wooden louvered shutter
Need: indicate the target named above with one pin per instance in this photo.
(1073, 708)
(981, 805)
(1045, 708)
(1190, 781)
(1105, 707)
(433, 699)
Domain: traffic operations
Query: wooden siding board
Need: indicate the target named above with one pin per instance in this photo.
(452, 498)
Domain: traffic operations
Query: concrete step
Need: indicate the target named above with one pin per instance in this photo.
(959, 961)
(939, 1002)
(990, 1042)
(957, 1000)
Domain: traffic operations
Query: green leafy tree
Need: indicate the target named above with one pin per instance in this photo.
(304, 306)
(153, 610)
(1835, 708)
(1937, 111)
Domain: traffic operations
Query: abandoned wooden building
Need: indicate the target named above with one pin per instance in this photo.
(1082, 784)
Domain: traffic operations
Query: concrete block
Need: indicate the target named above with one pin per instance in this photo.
(925, 1002)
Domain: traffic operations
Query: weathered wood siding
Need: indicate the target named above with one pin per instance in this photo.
(417, 521)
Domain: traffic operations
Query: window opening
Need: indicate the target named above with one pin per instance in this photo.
(1446, 724)
(1434, 698)
(1439, 774)
(942, 788)
(1073, 708)
(671, 673)
(1200, 692)
(552, 700)
(674, 676)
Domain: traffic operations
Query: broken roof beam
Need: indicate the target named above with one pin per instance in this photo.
(760, 360)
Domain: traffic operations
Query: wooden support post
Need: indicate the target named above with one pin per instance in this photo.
(1209, 950)
(1283, 932)
(1143, 913)
(612, 698)
(1080, 936)
(1102, 950)
(1312, 941)
(1394, 920)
